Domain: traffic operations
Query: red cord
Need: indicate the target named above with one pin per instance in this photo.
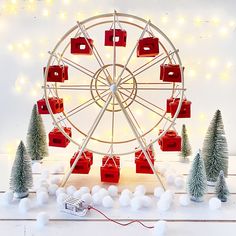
(119, 223)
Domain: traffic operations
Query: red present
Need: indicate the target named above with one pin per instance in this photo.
(81, 46)
(120, 37)
(140, 153)
(170, 73)
(111, 160)
(87, 154)
(159, 140)
(110, 173)
(142, 165)
(148, 47)
(168, 101)
(57, 73)
(82, 166)
(57, 139)
(56, 105)
(185, 110)
(171, 141)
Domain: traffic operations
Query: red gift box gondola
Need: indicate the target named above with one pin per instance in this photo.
(185, 110)
(56, 105)
(148, 47)
(82, 166)
(171, 141)
(87, 154)
(110, 173)
(142, 165)
(81, 46)
(57, 139)
(120, 37)
(170, 73)
(140, 153)
(57, 73)
(111, 160)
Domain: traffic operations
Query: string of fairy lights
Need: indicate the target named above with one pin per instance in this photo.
(195, 28)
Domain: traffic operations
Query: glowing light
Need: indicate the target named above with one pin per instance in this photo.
(63, 15)
(174, 34)
(223, 31)
(198, 21)
(49, 2)
(11, 147)
(10, 47)
(224, 76)
(208, 76)
(215, 20)
(213, 62)
(202, 116)
(33, 93)
(25, 55)
(164, 19)
(66, 2)
(191, 72)
(229, 64)
(232, 23)
(181, 20)
(138, 112)
(45, 12)
(108, 55)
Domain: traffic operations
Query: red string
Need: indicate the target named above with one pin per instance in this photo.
(119, 223)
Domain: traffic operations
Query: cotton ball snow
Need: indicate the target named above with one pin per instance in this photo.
(84, 190)
(42, 219)
(167, 196)
(43, 183)
(127, 192)
(103, 192)
(158, 191)
(162, 170)
(36, 168)
(87, 198)
(136, 203)
(7, 197)
(214, 203)
(163, 205)
(170, 178)
(61, 198)
(124, 200)
(70, 190)
(160, 228)
(179, 182)
(107, 202)
(42, 198)
(140, 189)
(52, 189)
(41, 189)
(45, 174)
(146, 201)
(184, 200)
(95, 189)
(77, 194)
(24, 205)
(97, 199)
(60, 190)
(58, 169)
(55, 180)
(113, 190)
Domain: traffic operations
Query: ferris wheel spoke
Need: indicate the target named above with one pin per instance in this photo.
(131, 54)
(114, 47)
(146, 66)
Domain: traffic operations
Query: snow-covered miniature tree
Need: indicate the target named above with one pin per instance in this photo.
(197, 179)
(185, 146)
(222, 191)
(36, 137)
(21, 174)
(215, 150)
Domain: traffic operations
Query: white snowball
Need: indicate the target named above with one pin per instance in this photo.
(42, 198)
(41, 189)
(168, 195)
(113, 190)
(42, 219)
(214, 203)
(24, 205)
(138, 194)
(184, 200)
(84, 190)
(97, 199)
(36, 168)
(61, 198)
(160, 228)
(43, 183)
(58, 169)
(87, 198)
(55, 180)
(141, 189)
(60, 190)
(124, 200)
(70, 190)
(95, 189)
(52, 189)
(179, 182)
(107, 202)
(45, 174)
(127, 192)
(77, 194)
(136, 203)
(146, 201)
(158, 191)
(103, 192)
(7, 197)
(163, 205)
(162, 169)
(170, 178)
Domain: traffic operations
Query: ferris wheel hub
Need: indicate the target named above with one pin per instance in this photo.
(113, 88)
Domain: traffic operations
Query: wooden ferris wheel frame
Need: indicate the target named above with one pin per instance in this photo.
(113, 82)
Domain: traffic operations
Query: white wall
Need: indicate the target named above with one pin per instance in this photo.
(204, 31)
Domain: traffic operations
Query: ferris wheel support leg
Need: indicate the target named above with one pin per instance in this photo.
(139, 138)
(91, 131)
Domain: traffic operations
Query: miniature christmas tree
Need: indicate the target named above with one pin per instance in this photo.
(215, 151)
(185, 146)
(197, 179)
(222, 191)
(36, 137)
(21, 174)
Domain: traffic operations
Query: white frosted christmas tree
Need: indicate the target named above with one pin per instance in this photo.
(21, 174)
(197, 179)
(185, 145)
(215, 150)
(222, 191)
(36, 137)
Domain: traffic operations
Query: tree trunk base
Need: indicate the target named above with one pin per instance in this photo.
(21, 195)
(184, 159)
(195, 199)
(211, 183)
